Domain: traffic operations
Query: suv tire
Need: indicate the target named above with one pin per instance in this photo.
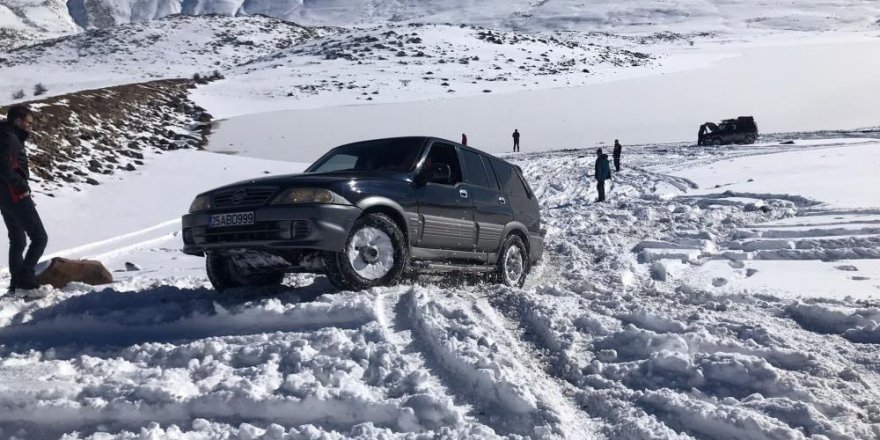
(375, 254)
(224, 275)
(513, 262)
(751, 138)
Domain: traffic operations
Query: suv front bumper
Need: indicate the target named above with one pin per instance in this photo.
(311, 227)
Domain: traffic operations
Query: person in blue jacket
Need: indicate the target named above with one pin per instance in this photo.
(602, 173)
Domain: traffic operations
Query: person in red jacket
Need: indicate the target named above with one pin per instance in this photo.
(16, 205)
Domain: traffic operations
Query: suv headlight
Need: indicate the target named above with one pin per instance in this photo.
(201, 203)
(297, 196)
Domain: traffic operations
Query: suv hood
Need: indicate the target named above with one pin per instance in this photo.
(320, 180)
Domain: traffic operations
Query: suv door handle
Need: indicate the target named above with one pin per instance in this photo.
(463, 193)
(502, 200)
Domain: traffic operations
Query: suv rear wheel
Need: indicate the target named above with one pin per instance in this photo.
(224, 274)
(375, 254)
(513, 262)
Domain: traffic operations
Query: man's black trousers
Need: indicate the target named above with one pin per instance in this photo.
(23, 221)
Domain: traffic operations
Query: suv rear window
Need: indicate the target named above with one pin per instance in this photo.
(474, 173)
(509, 179)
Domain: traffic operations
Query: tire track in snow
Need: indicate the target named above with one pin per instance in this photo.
(485, 367)
(555, 392)
(432, 406)
(568, 358)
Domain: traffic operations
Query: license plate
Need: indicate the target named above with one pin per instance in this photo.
(233, 219)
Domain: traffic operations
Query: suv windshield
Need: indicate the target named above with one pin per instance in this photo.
(386, 154)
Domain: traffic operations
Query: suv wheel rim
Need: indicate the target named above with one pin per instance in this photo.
(371, 253)
(513, 265)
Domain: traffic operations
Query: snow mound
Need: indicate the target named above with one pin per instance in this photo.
(857, 325)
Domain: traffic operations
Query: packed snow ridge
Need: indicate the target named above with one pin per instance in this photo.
(603, 342)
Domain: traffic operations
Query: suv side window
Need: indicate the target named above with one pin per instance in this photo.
(339, 162)
(443, 154)
(474, 173)
(509, 179)
(493, 180)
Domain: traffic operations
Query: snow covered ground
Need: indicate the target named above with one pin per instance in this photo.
(624, 330)
(721, 293)
(830, 249)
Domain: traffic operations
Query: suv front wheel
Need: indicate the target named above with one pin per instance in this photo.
(375, 254)
(513, 262)
(224, 274)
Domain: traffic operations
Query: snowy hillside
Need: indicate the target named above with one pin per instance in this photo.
(23, 22)
(416, 62)
(86, 136)
(631, 15)
(612, 337)
(175, 47)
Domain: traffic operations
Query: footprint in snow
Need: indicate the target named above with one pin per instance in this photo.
(847, 268)
(718, 282)
(859, 278)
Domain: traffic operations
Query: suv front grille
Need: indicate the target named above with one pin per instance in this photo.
(258, 232)
(248, 196)
(300, 228)
(263, 231)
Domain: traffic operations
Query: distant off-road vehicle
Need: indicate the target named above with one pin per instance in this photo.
(366, 213)
(741, 130)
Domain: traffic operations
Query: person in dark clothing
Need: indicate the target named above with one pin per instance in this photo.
(602, 173)
(515, 140)
(16, 205)
(617, 150)
(464, 139)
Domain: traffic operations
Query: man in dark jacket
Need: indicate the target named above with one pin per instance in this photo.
(18, 209)
(515, 140)
(602, 173)
(616, 153)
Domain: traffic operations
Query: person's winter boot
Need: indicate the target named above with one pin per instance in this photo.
(27, 281)
(28, 285)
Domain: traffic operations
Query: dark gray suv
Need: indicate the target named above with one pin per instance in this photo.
(367, 213)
